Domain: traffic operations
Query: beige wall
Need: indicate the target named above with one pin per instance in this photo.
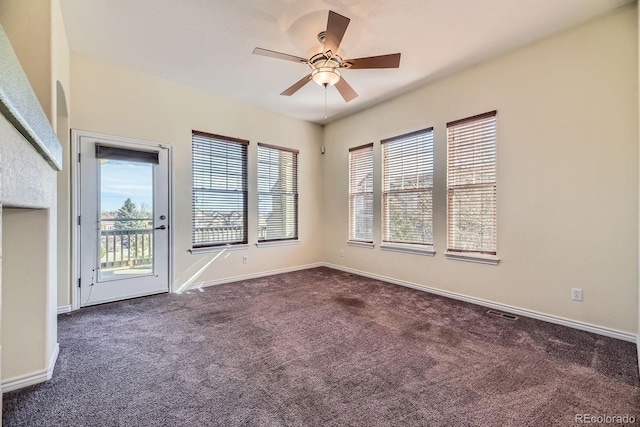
(60, 73)
(110, 99)
(28, 26)
(61, 85)
(567, 176)
(24, 279)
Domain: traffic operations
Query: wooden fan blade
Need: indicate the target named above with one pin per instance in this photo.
(278, 55)
(345, 90)
(297, 86)
(382, 61)
(336, 27)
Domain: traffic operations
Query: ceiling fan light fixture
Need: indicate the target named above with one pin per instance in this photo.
(325, 76)
(326, 64)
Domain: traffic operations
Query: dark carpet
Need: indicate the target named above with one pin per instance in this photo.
(322, 347)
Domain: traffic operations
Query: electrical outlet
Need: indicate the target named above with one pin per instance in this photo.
(341, 253)
(576, 294)
(245, 259)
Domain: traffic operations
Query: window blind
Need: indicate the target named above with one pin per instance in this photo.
(219, 193)
(407, 188)
(471, 185)
(124, 154)
(277, 193)
(361, 193)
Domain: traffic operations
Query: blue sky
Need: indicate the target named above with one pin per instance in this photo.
(121, 180)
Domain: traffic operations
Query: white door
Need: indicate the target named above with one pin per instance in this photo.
(123, 219)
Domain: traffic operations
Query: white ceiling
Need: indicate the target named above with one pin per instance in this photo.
(207, 44)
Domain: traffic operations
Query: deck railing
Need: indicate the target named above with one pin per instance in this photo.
(132, 247)
(130, 243)
(222, 233)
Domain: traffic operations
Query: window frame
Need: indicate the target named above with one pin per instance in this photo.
(295, 167)
(352, 240)
(421, 160)
(454, 250)
(212, 245)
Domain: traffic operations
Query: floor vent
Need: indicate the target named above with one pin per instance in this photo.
(501, 314)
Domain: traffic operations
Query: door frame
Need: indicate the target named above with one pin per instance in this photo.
(76, 135)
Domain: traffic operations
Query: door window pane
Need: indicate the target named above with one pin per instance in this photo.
(126, 220)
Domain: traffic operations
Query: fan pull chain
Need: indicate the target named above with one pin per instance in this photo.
(325, 100)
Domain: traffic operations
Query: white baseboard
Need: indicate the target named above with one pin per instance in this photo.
(34, 377)
(64, 309)
(625, 336)
(249, 276)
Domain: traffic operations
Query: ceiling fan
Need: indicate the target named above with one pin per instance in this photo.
(326, 65)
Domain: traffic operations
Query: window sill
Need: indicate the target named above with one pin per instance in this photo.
(409, 248)
(357, 244)
(195, 251)
(267, 243)
(471, 257)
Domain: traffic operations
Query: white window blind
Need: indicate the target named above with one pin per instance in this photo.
(471, 185)
(219, 191)
(407, 188)
(361, 194)
(277, 193)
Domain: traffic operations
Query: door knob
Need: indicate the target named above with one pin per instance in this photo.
(162, 227)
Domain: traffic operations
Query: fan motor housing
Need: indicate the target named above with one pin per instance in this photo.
(323, 60)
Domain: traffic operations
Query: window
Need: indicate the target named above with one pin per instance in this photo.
(361, 194)
(407, 188)
(471, 185)
(277, 193)
(219, 190)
